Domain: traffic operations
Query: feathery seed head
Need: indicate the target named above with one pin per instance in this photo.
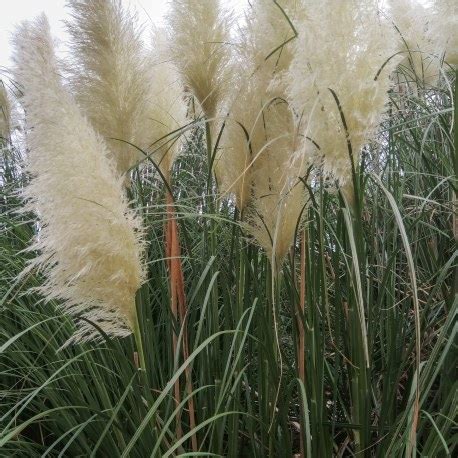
(89, 240)
(270, 34)
(167, 107)
(412, 23)
(277, 206)
(253, 90)
(360, 45)
(109, 75)
(444, 30)
(257, 161)
(242, 138)
(199, 35)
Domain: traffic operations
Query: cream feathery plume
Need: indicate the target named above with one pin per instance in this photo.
(5, 113)
(278, 196)
(258, 60)
(199, 35)
(257, 161)
(109, 75)
(340, 105)
(444, 30)
(270, 31)
(412, 23)
(89, 240)
(167, 106)
(239, 142)
(278, 204)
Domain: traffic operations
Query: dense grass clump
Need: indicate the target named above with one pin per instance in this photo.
(339, 341)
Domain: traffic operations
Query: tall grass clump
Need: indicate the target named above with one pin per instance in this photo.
(267, 202)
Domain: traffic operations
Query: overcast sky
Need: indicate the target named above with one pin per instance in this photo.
(14, 11)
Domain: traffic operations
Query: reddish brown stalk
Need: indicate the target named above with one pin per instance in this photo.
(179, 310)
(300, 323)
(173, 299)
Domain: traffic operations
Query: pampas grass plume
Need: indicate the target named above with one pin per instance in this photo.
(270, 33)
(109, 75)
(278, 206)
(251, 91)
(89, 240)
(199, 34)
(412, 22)
(257, 161)
(166, 111)
(355, 38)
(444, 30)
(240, 141)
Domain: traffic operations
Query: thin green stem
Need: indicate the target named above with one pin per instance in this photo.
(139, 344)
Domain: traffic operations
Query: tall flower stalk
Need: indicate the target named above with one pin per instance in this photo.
(199, 44)
(257, 162)
(167, 118)
(339, 109)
